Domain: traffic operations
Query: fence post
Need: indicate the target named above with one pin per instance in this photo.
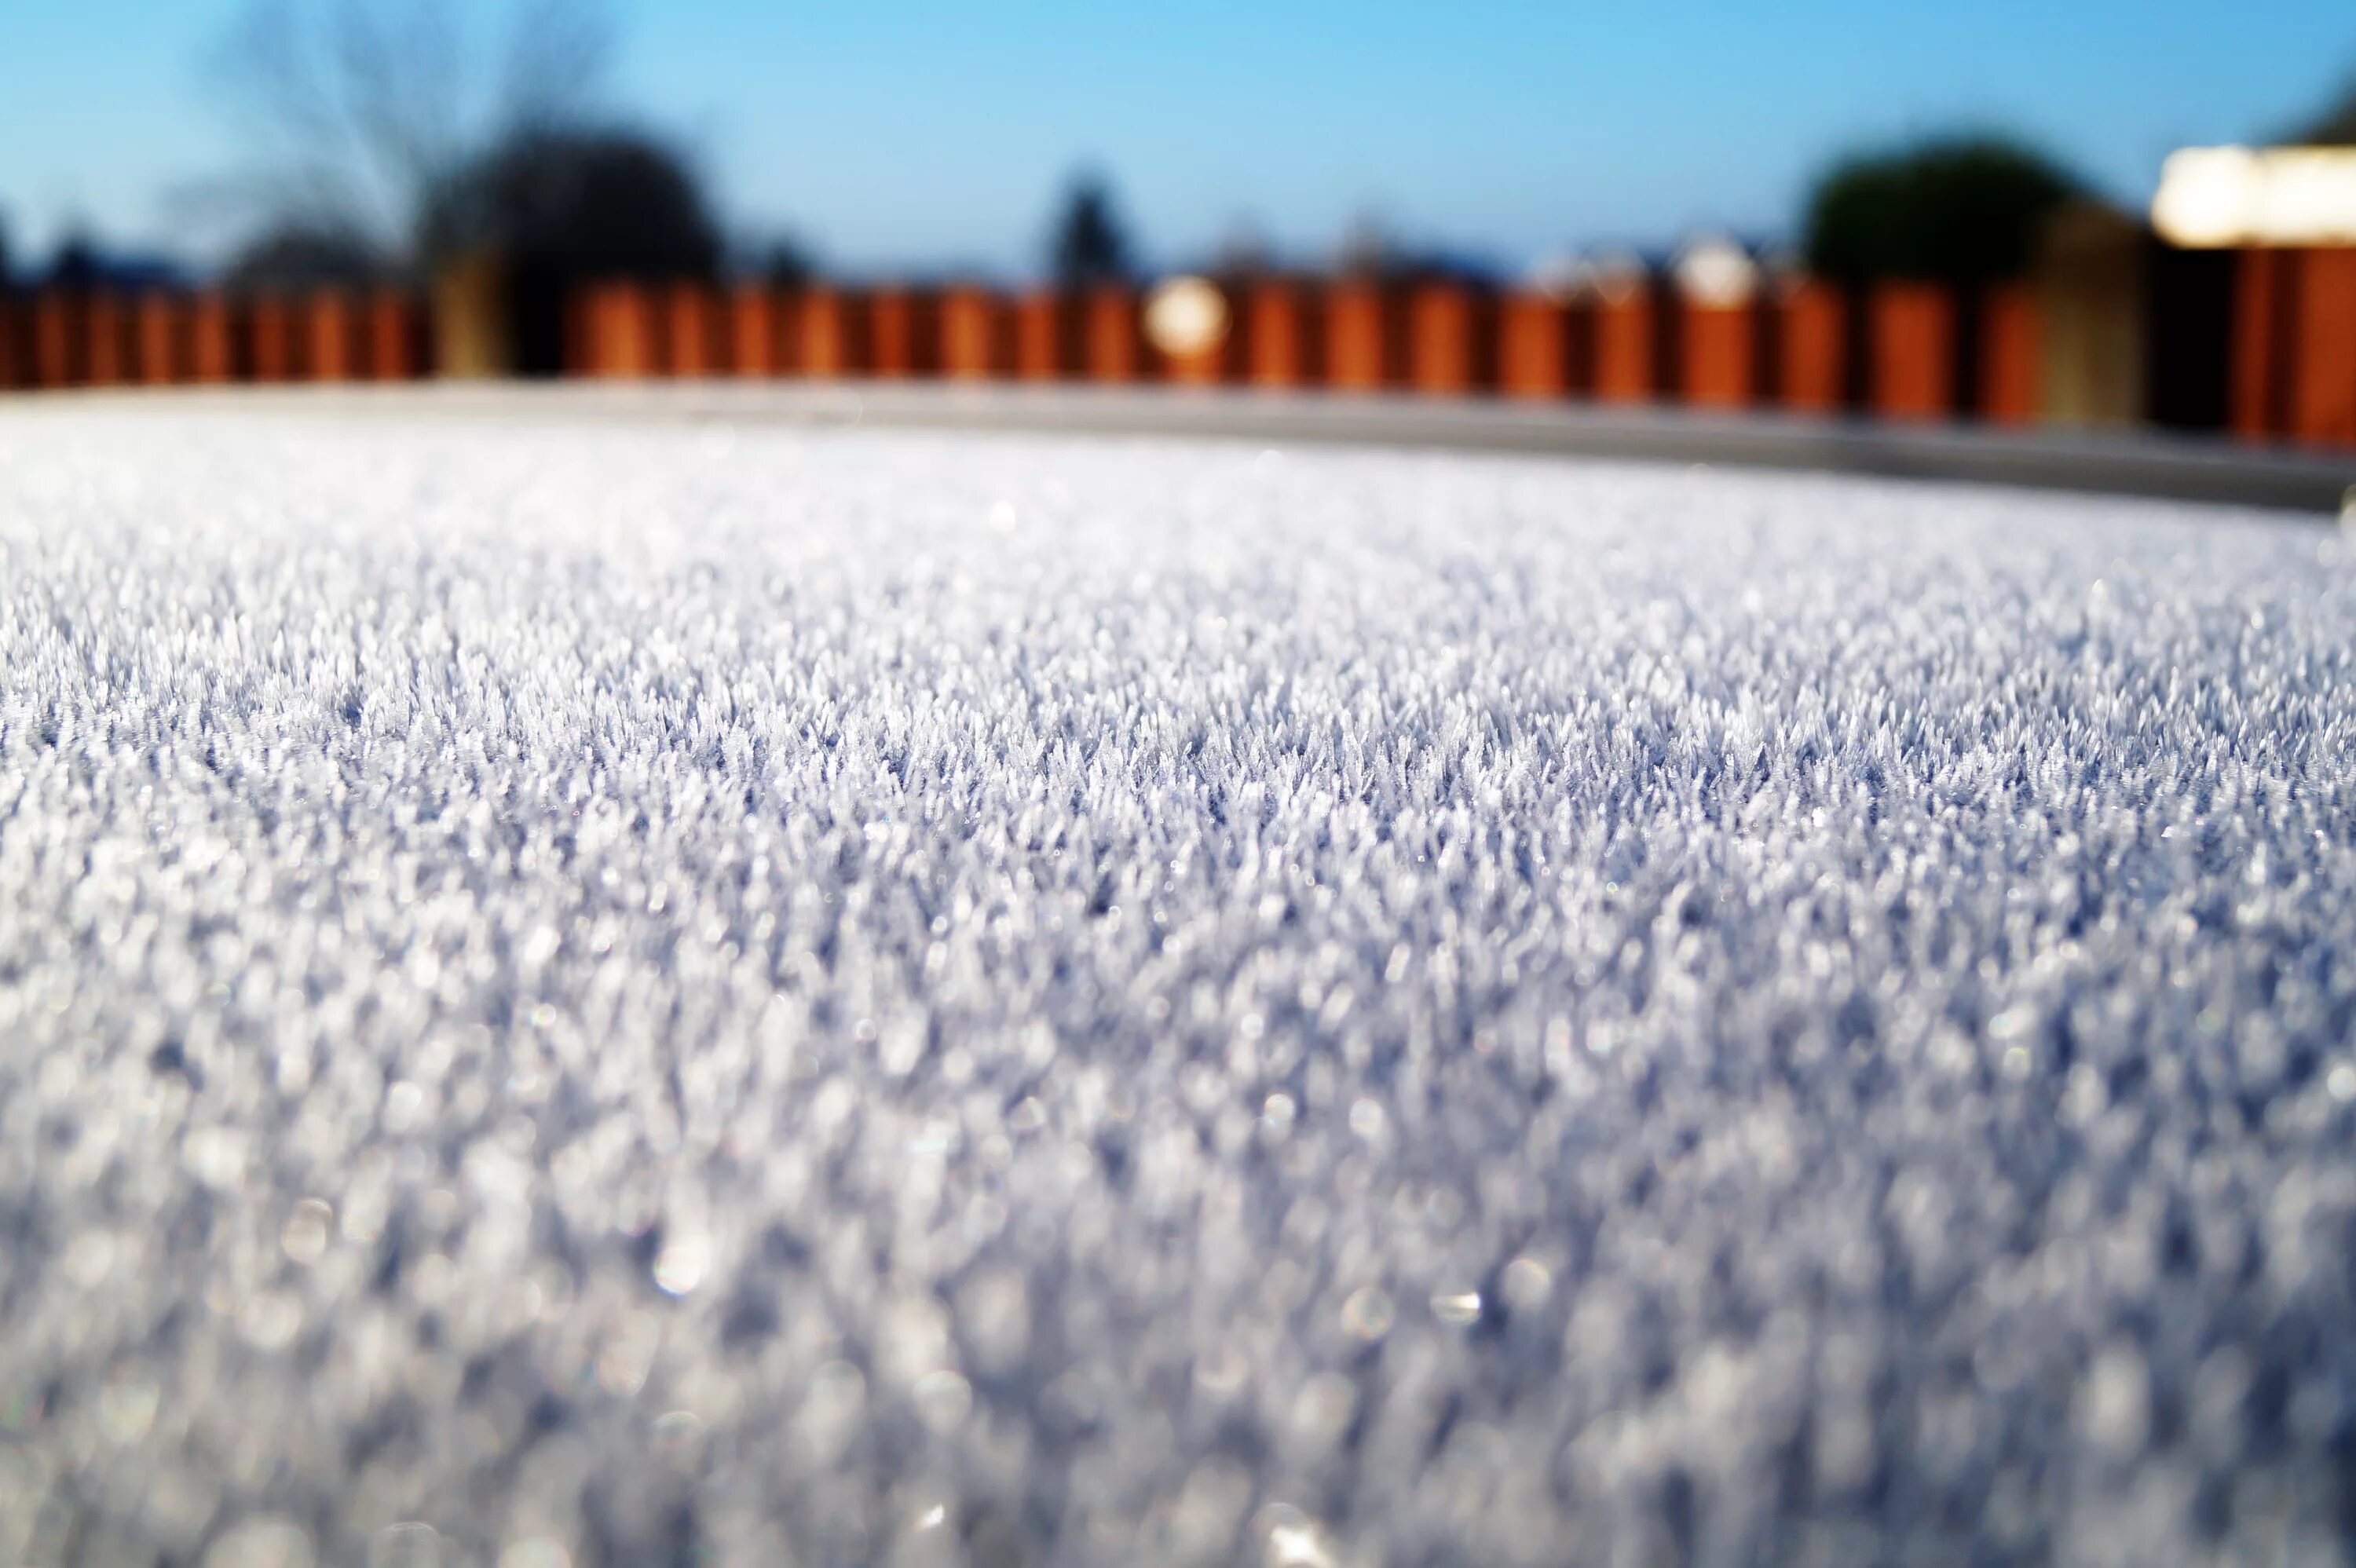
(892, 332)
(102, 334)
(212, 345)
(1534, 352)
(825, 340)
(835, 338)
(904, 325)
(57, 339)
(621, 332)
(752, 331)
(688, 331)
(1044, 336)
(157, 327)
(1812, 340)
(330, 319)
(1449, 337)
(391, 338)
(2257, 372)
(1365, 351)
(973, 334)
(2011, 356)
(2323, 374)
(1912, 348)
(1717, 325)
(1281, 351)
(1627, 339)
(1112, 336)
(273, 339)
(1719, 344)
(786, 330)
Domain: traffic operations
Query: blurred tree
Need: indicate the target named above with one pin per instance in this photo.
(2336, 126)
(784, 262)
(302, 259)
(7, 270)
(1964, 210)
(77, 264)
(578, 204)
(562, 208)
(362, 113)
(1089, 244)
(81, 262)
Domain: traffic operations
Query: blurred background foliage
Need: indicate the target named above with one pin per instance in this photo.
(1964, 211)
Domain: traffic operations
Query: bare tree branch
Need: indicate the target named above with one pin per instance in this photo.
(362, 113)
(556, 61)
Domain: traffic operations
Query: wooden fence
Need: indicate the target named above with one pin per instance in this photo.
(74, 338)
(2293, 347)
(2285, 348)
(1899, 351)
(1793, 349)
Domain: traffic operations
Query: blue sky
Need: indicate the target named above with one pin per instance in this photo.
(919, 135)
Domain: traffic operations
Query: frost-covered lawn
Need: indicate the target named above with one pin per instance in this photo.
(606, 992)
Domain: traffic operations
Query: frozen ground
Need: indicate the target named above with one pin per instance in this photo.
(617, 993)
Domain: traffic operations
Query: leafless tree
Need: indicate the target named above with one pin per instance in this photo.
(361, 113)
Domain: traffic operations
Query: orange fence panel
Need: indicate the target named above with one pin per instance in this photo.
(1912, 345)
(272, 329)
(1365, 347)
(392, 338)
(1627, 333)
(621, 332)
(2323, 373)
(1812, 342)
(752, 331)
(1451, 341)
(159, 328)
(2260, 302)
(692, 331)
(966, 336)
(974, 337)
(213, 342)
(904, 329)
(825, 342)
(1045, 337)
(892, 333)
(1114, 344)
(786, 333)
(327, 319)
(58, 346)
(892, 346)
(1282, 342)
(2282, 366)
(2011, 356)
(1718, 348)
(834, 341)
(1535, 351)
(103, 340)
